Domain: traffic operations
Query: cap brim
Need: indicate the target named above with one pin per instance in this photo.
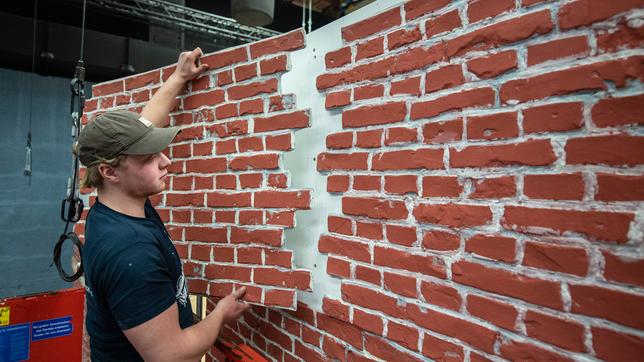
(155, 141)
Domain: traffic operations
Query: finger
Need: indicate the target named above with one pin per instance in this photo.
(203, 67)
(197, 52)
(239, 293)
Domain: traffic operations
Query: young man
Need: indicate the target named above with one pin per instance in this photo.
(137, 301)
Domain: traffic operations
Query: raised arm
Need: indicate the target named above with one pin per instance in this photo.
(161, 338)
(157, 109)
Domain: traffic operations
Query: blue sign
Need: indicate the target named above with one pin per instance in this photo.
(14, 343)
(51, 328)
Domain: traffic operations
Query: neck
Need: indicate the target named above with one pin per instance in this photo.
(124, 203)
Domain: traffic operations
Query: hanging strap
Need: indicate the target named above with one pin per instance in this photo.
(72, 206)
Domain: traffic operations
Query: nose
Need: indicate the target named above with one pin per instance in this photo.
(165, 161)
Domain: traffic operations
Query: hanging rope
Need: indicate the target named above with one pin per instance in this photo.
(27, 171)
(72, 206)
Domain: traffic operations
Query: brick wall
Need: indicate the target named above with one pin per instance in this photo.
(490, 170)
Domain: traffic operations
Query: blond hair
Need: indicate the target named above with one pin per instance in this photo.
(92, 178)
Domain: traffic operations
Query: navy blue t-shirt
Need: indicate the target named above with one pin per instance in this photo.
(132, 274)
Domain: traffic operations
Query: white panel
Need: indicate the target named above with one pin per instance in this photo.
(306, 65)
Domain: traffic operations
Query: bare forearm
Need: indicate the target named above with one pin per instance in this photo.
(158, 108)
(197, 340)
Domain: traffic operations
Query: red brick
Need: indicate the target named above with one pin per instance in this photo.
(366, 182)
(441, 240)
(501, 314)
(337, 183)
(368, 275)
(220, 199)
(586, 12)
(370, 49)
(371, 299)
(442, 23)
(493, 65)
(541, 292)
(283, 42)
(494, 188)
(368, 92)
(333, 349)
(102, 89)
(613, 346)
(553, 118)
(624, 269)
(481, 9)
(245, 71)
(184, 199)
(501, 33)
(519, 351)
(336, 309)
(280, 218)
(493, 126)
(260, 236)
(374, 115)
(401, 235)
(556, 258)
(338, 267)
(255, 162)
(626, 36)
(441, 186)
(616, 306)
(554, 330)
(368, 321)
(614, 150)
(492, 246)
(338, 99)
(400, 284)
(226, 57)
(609, 226)
(228, 182)
(342, 161)
(250, 180)
(237, 92)
(446, 77)
(298, 119)
(369, 139)
(278, 180)
(232, 128)
(249, 255)
(340, 225)
(250, 144)
(418, 263)
(374, 208)
(579, 78)
(349, 248)
(277, 297)
(409, 86)
(468, 98)
(417, 8)
(610, 112)
(440, 350)
(529, 153)
(471, 333)
(375, 24)
(381, 348)
(224, 78)
(557, 49)
(403, 37)
(292, 279)
(279, 142)
(453, 215)
(210, 98)
(400, 135)
(405, 335)
(338, 58)
(339, 140)
(401, 184)
(251, 106)
(282, 199)
(273, 65)
(423, 158)
(441, 295)
(214, 271)
(554, 186)
(443, 131)
(369, 230)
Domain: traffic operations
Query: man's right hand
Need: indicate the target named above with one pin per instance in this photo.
(231, 307)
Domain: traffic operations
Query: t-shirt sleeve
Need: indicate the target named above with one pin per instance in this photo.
(141, 287)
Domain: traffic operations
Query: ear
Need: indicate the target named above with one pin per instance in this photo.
(108, 173)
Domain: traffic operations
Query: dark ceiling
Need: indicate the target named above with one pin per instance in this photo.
(118, 45)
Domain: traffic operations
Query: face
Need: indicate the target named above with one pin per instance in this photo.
(143, 175)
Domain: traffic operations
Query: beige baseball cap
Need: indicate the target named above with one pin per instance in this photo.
(121, 133)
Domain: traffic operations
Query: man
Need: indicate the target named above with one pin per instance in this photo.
(137, 301)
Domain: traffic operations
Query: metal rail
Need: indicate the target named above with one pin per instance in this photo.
(185, 18)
